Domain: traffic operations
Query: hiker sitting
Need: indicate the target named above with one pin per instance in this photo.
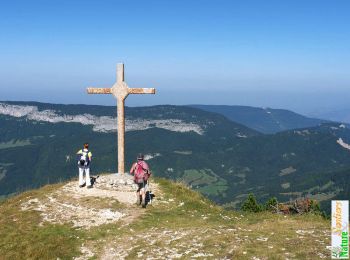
(84, 157)
(141, 173)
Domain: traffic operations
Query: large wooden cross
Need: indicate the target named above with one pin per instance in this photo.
(120, 91)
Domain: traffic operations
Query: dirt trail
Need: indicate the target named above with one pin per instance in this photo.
(112, 199)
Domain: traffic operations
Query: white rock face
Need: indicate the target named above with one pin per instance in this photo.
(99, 123)
(343, 144)
(241, 135)
(151, 156)
(302, 132)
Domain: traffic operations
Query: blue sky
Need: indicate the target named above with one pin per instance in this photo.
(283, 54)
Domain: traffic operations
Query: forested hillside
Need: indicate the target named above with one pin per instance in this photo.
(223, 160)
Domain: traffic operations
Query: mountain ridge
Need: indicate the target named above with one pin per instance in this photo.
(264, 120)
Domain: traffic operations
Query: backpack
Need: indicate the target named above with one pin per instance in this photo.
(84, 157)
(141, 174)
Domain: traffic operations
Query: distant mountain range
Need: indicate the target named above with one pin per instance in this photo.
(224, 160)
(264, 120)
(341, 115)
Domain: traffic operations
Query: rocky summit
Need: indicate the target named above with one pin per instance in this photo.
(68, 204)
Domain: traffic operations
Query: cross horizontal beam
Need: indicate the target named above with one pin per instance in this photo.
(99, 90)
(141, 90)
(130, 90)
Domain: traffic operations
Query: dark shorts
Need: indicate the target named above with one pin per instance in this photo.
(141, 185)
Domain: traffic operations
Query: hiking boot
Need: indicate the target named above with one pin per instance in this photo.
(89, 187)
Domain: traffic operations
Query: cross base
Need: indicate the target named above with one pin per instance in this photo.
(117, 182)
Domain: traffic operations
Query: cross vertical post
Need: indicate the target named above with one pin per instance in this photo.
(120, 91)
(120, 72)
(121, 133)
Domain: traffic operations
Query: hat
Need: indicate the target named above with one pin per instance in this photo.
(140, 156)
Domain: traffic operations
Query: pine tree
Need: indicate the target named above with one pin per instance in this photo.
(271, 204)
(251, 205)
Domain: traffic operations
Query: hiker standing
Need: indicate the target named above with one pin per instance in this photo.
(84, 157)
(141, 172)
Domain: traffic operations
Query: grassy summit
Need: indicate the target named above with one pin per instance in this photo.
(180, 223)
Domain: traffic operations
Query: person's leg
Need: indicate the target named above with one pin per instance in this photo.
(81, 177)
(87, 174)
(138, 199)
(143, 195)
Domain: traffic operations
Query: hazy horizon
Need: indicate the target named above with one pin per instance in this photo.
(299, 105)
(291, 55)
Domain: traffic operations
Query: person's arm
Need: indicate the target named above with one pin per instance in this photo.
(147, 169)
(89, 155)
(132, 169)
(79, 155)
